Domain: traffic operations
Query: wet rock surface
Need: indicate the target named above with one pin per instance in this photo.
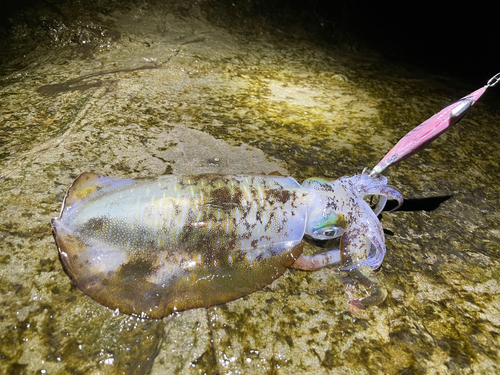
(179, 88)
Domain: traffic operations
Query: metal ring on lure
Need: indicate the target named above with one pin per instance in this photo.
(154, 246)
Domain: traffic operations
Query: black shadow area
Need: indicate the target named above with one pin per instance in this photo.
(421, 204)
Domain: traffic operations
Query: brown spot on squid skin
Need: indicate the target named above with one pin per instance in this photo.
(280, 196)
(223, 195)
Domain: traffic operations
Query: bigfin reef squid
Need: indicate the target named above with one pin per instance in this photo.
(154, 246)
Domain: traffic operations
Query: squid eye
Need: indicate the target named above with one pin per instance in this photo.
(327, 232)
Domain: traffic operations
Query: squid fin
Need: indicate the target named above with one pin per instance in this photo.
(276, 173)
(86, 184)
(89, 183)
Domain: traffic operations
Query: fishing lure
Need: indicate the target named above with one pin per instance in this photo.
(154, 246)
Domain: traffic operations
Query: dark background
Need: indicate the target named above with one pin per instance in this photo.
(457, 39)
(448, 38)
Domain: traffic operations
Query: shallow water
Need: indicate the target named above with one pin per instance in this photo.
(174, 89)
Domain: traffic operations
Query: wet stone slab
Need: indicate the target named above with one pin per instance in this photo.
(171, 90)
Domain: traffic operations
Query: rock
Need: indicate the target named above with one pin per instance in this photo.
(173, 89)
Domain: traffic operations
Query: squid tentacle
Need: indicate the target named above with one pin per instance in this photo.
(366, 186)
(377, 291)
(359, 241)
(384, 192)
(314, 262)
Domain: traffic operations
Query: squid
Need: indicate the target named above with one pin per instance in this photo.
(154, 246)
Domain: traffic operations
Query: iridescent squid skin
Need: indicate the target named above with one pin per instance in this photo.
(154, 246)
